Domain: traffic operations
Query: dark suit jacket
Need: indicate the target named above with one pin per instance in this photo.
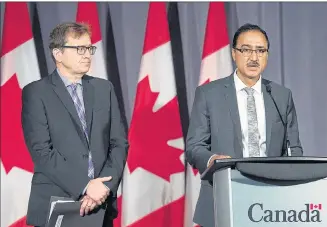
(215, 129)
(59, 149)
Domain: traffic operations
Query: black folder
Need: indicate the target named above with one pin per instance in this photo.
(64, 212)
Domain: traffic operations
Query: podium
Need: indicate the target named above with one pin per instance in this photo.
(279, 191)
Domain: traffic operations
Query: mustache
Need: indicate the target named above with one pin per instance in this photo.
(253, 64)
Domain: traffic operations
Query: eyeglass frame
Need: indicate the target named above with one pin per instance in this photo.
(259, 54)
(89, 48)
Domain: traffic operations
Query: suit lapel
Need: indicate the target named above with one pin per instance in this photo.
(64, 96)
(88, 96)
(230, 95)
(269, 111)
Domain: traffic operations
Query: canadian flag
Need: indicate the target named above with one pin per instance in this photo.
(87, 12)
(153, 192)
(19, 67)
(216, 63)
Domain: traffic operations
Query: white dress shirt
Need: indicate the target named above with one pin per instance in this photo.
(242, 109)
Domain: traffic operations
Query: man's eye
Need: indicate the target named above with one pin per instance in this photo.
(246, 50)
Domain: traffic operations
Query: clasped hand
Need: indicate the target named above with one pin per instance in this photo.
(96, 194)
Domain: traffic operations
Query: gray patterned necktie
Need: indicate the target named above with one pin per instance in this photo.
(81, 114)
(253, 132)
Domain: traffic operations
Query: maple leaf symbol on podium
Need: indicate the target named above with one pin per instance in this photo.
(150, 132)
(13, 149)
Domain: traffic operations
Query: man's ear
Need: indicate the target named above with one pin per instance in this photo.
(233, 54)
(57, 54)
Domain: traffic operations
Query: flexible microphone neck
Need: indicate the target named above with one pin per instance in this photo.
(285, 141)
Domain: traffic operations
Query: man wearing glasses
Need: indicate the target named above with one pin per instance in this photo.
(240, 116)
(73, 130)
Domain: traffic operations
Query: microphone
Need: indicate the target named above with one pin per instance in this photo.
(285, 141)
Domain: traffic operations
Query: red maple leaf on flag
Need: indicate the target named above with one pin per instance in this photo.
(20, 223)
(150, 132)
(165, 213)
(13, 149)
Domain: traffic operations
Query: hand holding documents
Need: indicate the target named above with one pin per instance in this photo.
(87, 205)
(64, 212)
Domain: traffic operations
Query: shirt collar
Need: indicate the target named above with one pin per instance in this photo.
(66, 81)
(239, 85)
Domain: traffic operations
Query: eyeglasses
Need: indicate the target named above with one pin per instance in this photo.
(246, 52)
(82, 49)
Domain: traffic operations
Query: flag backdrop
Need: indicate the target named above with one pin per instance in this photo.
(153, 192)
